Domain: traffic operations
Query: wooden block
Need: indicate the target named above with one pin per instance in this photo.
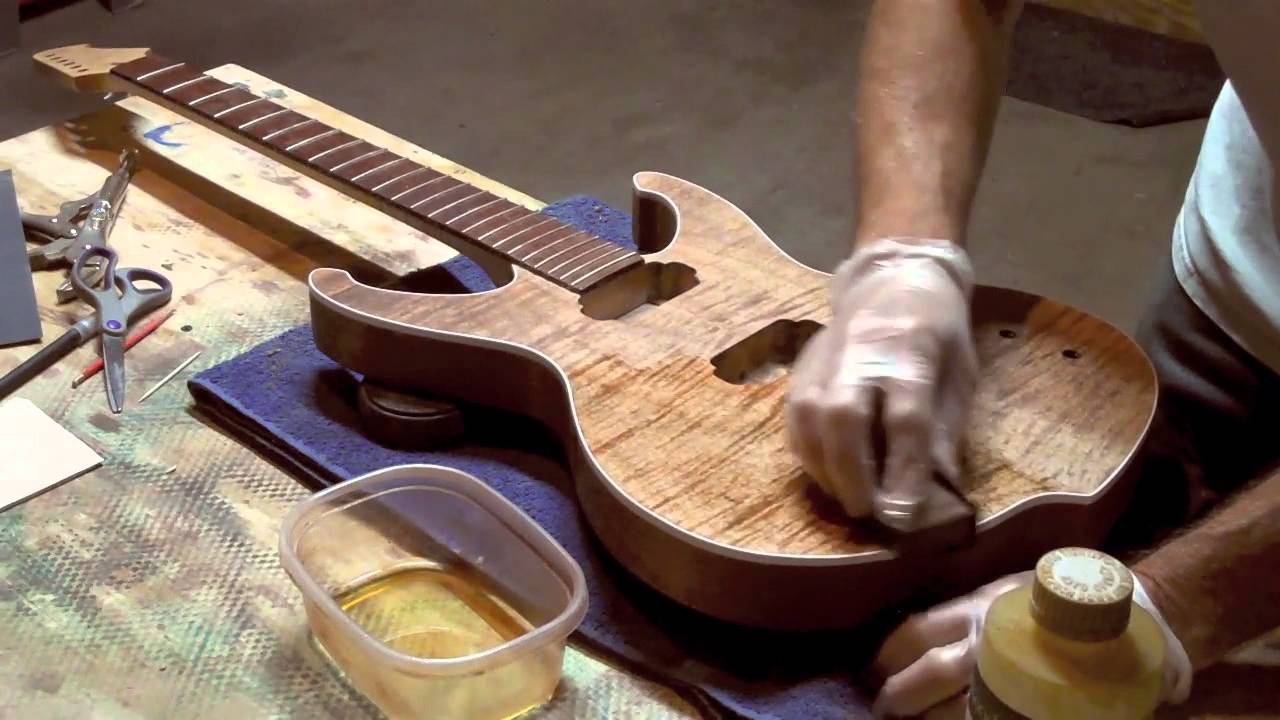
(1173, 18)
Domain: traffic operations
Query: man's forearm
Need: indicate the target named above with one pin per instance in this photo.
(1218, 584)
(932, 73)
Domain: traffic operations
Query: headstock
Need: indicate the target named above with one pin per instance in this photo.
(85, 68)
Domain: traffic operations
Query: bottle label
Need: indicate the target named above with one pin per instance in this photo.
(984, 705)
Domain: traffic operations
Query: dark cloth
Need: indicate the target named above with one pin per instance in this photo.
(1214, 428)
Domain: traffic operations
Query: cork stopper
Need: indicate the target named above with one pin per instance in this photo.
(1082, 594)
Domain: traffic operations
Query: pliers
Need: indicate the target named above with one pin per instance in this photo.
(79, 225)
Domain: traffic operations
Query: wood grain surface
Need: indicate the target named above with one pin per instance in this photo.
(1062, 404)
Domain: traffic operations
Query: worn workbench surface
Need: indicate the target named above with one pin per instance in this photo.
(150, 587)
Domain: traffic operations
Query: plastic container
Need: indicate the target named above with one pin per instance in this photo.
(1071, 645)
(433, 594)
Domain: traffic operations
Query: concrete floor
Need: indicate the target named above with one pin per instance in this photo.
(750, 98)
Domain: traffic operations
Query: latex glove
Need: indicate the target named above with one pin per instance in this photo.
(928, 661)
(1177, 664)
(900, 330)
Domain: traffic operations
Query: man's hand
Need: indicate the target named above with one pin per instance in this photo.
(901, 337)
(928, 661)
(898, 358)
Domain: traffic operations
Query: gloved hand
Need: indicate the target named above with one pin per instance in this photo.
(928, 661)
(900, 329)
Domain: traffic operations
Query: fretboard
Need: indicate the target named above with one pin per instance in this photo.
(435, 202)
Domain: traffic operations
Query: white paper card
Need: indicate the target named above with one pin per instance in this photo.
(36, 453)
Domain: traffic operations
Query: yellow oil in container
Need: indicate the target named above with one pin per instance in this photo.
(435, 612)
(1071, 645)
(432, 612)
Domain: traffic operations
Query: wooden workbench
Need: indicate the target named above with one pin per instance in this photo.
(151, 586)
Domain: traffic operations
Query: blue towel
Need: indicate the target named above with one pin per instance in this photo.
(307, 421)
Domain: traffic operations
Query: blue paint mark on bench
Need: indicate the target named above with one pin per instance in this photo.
(156, 135)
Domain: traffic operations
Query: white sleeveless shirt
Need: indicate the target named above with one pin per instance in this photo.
(1226, 250)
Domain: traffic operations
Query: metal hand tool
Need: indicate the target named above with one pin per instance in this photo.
(79, 224)
(116, 299)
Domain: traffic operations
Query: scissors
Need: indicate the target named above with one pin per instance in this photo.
(79, 224)
(116, 300)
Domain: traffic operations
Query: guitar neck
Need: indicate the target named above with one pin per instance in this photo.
(437, 203)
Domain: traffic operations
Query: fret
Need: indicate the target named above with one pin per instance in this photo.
(183, 84)
(180, 77)
(430, 189)
(534, 237)
(538, 243)
(209, 96)
(532, 222)
(132, 70)
(472, 202)
(586, 238)
(343, 161)
(504, 209)
(571, 264)
(288, 128)
(215, 101)
(393, 178)
(202, 87)
(484, 228)
(398, 178)
(362, 166)
(268, 116)
(452, 218)
(570, 259)
(423, 183)
(236, 117)
(452, 205)
(322, 134)
(234, 108)
(341, 144)
(428, 198)
(146, 76)
(578, 267)
(584, 281)
(222, 101)
(441, 199)
(324, 144)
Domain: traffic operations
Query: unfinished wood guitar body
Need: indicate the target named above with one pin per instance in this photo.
(682, 465)
(663, 373)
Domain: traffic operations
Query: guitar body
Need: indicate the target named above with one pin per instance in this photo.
(671, 414)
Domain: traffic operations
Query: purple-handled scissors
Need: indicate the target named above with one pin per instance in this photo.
(116, 299)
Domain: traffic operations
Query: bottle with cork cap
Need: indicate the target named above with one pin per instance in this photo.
(1071, 645)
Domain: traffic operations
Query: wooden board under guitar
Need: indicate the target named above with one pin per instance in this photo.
(663, 372)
